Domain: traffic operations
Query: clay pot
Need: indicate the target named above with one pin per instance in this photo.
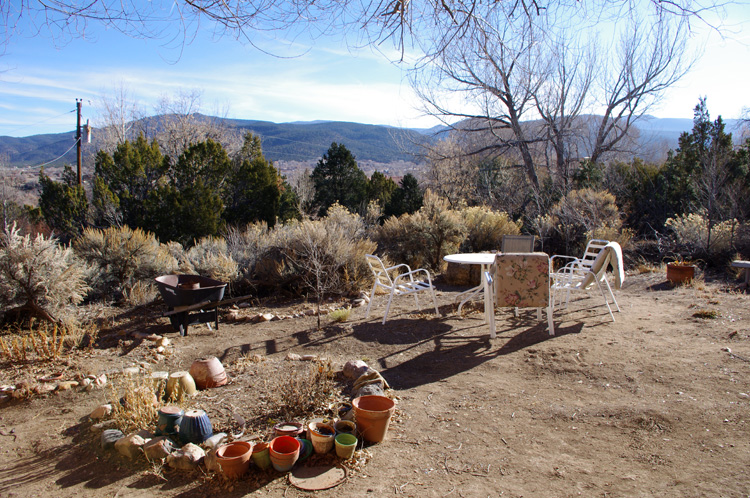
(345, 427)
(679, 273)
(180, 384)
(208, 373)
(169, 420)
(195, 427)
(293, 429)
(322, 437)
(234, 458)
(315, 421)
(284, 452)
(373, 414)
(345, 445)
(261, 456)
(305, 449)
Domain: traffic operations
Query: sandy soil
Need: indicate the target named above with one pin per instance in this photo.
(655, 404)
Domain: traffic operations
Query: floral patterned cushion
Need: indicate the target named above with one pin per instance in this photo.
(522, 280)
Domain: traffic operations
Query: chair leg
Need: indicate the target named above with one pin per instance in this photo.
(609, 288)
(606, 301)
(539, 314)
(550, 323)
(434, 301)
(489, 307)
(372, 298)
(388, 307)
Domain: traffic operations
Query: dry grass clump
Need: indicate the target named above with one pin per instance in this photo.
(134, 403)
(340, 315)
(44, 341)
(303, 392)
(706, 314)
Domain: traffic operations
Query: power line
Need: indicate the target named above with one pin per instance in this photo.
(40, 122)
(57, 158)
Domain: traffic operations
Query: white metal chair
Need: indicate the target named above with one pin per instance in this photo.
(403, 284)
(580, 274)
(519, 281)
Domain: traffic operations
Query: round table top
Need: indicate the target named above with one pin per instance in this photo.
(471, 258)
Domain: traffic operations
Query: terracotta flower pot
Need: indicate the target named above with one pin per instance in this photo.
(208, 372)
(284, 452)
(680, 273)
(234, 458)
(293, 429)
(373, 415)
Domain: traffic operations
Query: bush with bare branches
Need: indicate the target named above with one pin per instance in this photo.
(38, 276)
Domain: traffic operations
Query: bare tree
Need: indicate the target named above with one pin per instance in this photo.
(403, 22)
(118, 120)
(549, 85)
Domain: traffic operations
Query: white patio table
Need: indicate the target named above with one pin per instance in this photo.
(485, 260)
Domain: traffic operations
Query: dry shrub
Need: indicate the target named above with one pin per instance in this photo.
(423, 238)
(210, 257)
(485, 228)
(301, 393)
(340, 315)
(44, 341)
(690, 237)
(580, 215)
(122, 257)
(141, 293)
(133, 406)
(39, 276)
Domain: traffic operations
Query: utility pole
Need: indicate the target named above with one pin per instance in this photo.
(78, 137)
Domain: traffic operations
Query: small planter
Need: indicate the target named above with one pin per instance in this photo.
(261, 456)
(234, 458)
(345, 445)
(680, 273)
(373, 415)
(284, 452)
(322, 436)
(208, 373)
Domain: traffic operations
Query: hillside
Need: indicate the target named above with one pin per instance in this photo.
(281, 142)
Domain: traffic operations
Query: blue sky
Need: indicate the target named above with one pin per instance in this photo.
(39, 81)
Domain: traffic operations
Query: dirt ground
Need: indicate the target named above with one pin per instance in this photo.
(655, 404)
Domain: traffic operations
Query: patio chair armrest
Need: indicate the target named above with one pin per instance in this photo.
(408, 269)
(411, 274)
(558, 256)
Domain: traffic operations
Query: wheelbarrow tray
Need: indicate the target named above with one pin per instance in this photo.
(175, 292)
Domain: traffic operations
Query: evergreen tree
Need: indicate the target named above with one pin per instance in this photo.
(254, 190)
(380, 188)
(63, 204)
(407, 198)
(337, 178)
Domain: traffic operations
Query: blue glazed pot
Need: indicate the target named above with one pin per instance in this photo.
(169, 420)
(195, 427)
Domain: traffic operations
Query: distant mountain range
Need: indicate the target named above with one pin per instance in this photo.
(307, 141)
(281, 142)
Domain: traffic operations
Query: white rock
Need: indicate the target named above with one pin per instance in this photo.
(160, 349)
(310, 312)
(130, 371)
(308, 357)
(162, 342)
(266, 317)
(293, 357)
(353, 369)
(100, 412)
(215, 440)
(158, 448)
(275, 318)
(130, 446)
(186, 458)
(101, 381)
(66, 385)
(358, 303)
